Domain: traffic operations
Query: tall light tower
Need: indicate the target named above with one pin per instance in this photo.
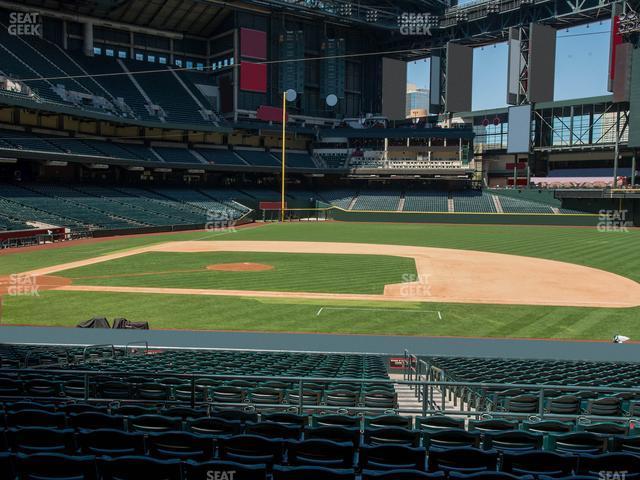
(288, 96)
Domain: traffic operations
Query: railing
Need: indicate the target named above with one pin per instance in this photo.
(92, 347)
(131, 344)
(426, 389)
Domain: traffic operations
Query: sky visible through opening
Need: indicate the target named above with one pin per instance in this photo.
(582, 63)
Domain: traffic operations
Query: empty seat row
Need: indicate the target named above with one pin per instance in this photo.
(243, 454)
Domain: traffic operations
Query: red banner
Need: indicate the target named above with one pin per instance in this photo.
(616, 39)
(253, 77)
(519, 166)
(253, 44)
(271, 205)
(270, 114)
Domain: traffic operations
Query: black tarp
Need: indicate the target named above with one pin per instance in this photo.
(95, 322)
(124, 323)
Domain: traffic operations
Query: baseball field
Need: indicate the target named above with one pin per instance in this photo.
(333, 277)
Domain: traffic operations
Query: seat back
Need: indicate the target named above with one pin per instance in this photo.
(312, 473)
(137, 467)
(463, 459)
(52, 466)
(323, 453)
(112, 443)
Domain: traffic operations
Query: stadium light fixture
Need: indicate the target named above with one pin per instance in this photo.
(288, 96)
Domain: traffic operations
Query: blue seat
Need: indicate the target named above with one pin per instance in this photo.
(54, 466)
(134, 410)
(452, 438)
(462, 459)
(251, 449)
(30, 405)
(538, 463)
(184, 412)
(154, 423)
(435, 423)
(488, 476)
(41, 440)
(214, 426)
(35, 418)
(578, 443)
(96, 420)
(7, 468)
(235, 414)
(628, 444)
(392, 457)
(380, 421)
(181, 445)
(493, 425)
(274, 430)
(200, 471)
(594, 464)
(334, 433)
(287, 418)
(392, 435)
(399, 475)
(323, 453)
(82, 408)
(312, 473)
(334, 420)
(136, 468)
(112, 443)
(512, 441)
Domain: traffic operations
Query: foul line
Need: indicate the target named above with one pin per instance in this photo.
(402, 310)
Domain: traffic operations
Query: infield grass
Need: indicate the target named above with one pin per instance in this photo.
(612, 251)
(362, 274)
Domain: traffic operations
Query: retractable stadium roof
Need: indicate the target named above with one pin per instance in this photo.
(200, 18)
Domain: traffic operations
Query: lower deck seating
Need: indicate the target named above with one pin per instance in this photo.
(378, 201)
(220, 156)
(141, 420)
(473, 201)
(176, 155)
(338, 198)
(528, 372)
(97, 207)
(426, 201)
(258, 158)
(297, 160)
(516, 205)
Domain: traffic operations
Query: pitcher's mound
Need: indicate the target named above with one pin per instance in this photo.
(240, 267)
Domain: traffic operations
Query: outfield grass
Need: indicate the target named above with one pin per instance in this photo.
(362, 274)
(611, 251)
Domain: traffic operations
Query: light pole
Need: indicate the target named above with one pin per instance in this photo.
(288, 96)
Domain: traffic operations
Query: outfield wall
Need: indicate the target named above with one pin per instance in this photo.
(339, 214)
(467, 218)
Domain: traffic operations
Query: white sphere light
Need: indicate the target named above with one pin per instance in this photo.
(291, 95)
(332, 100)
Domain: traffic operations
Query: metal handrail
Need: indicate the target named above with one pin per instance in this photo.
(420, 385)
(139, 342)
(103, 345)
(379, 381)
